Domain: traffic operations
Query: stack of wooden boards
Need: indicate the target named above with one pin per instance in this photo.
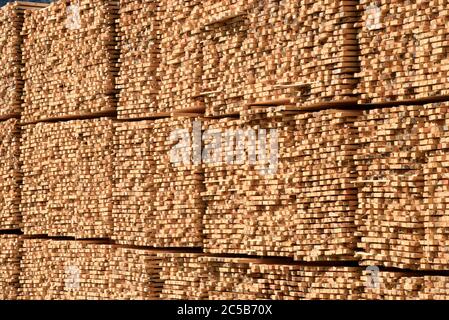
(140, 36)
(404, 50)
(10, 176)
(403, 191)
(11, 86)
(389, 166)
(64, 270)
(181, 55)
(67, 178)
(9, 266)
(224, 30)
(255, 51)
(70, 54)
(303, 206)
(79, 270)
(405, 286)
(158, 185)
(265, 279)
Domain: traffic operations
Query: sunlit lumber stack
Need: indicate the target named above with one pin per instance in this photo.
(10, 177)
(65, 270)
(11, 86)
(225, 27)
(181, 55)
(67, 178)
(387, 285)
(434, 142)
(285, 66)
(250, 209)
(323, 175)
(182, 276)
(435, 288)
(251, 279)
(391, 184)
(262, 279)
(70, 53)
(139, 31)
(298, 200)
(333, 283)
(157, 194)
(135, 274)
(10, 246)
(404, 48)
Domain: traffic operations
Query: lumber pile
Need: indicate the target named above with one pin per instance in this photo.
(404, 50)
(140, 35)
(391, 184)
(255, 51)
(70, 53)
(402, 168)
(182, 276)
(224, 30)
(157, 193)
(65, 270)
(10, 177)
(67, 178)
(9, 266)
(259, 279)
(387, 285)
(435, 288)
(304, 207)
(249, 207)
(11, 86)
(323, 177)
(134, 274)
(181, 55)
(433, 142)
(320, 69)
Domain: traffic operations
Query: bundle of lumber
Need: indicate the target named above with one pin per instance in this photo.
(250, 207)
(254, 51)
(158, 185)
(10, 246)
(404, 50)
(65, 270)
(225, 27)
(303, 206)
(252, 279)
(262, 279)
(391, 184)
(318, 70)
(434, 144)
(10, 177)
(135, 274)
(11, 86)
(435, 288)
(181, 276)
(181, 55)
(389, 285)
(140, 36)
(323, 175)
(70, 53)
(67, 178)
